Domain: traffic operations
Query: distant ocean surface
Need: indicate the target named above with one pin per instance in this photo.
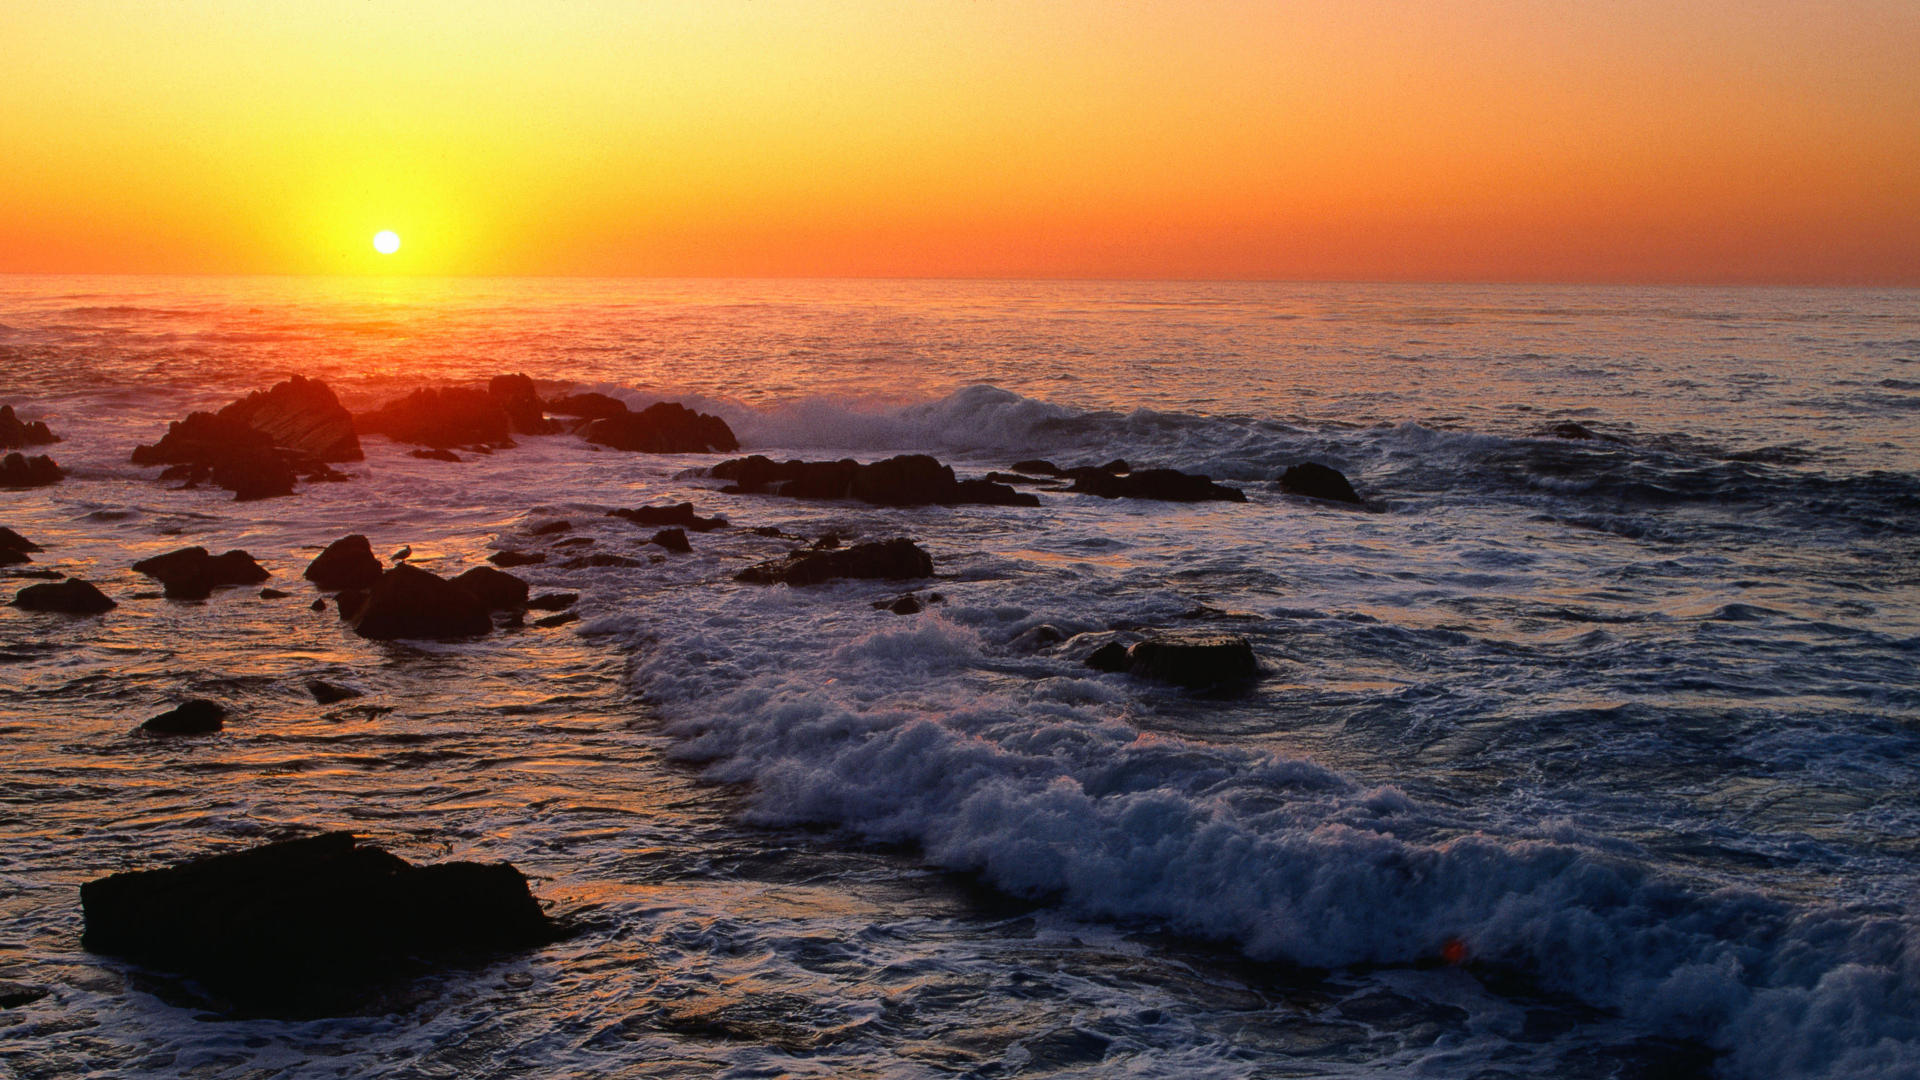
(1629, 727)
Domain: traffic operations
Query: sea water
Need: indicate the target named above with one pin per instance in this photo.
(1574, 757)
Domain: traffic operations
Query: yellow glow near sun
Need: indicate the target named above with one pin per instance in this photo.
(386, 241)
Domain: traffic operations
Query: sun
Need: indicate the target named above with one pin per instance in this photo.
(386, 241)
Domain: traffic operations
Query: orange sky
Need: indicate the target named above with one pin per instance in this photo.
(1474, 140)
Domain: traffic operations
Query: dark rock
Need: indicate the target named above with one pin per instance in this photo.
(1039, 637)
(255, 446)
(599, 560)
(15, 994)
(517, 558)
(514, 619)
(307, 925)
(1194, 659)
(1110, 658)
(348, 563)
(17, 434)
(674, 540)
(349, 603)
(72, 597)
(766, 530)
(521, 400)
(1019, 478)
(435, 455)
(554, 528)
(574, 542)
(14, 548)
(318, 605)
(829, 542)
(663, 428)
(20, 471)
(906, 605)
(499, 591)
(936, 598)
(327, 693)
(1167, 485)
(894, 559)
(1036, 467)
(906, 480)
(1568, 429)
(442, 417)
(680, 514)
(192, 718)
(1317, 481)
(192, 574)
(1116, 467)
(408, 602)
(561, 619)
(148, 595)
(590, 406)
(553, 601)
(273, 594)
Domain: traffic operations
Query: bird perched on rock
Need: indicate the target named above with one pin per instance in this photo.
(401, 555)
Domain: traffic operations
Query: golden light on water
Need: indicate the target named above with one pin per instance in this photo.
(386, 241)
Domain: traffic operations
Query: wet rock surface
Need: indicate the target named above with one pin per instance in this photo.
(663, 428)
(498, 590)
(15, 548)
(442, 418)
(258, 446)
(347, 563)
(905, 480)
(308, 925)
(889, 559)
(408, 602)
(197, 717)
(20, 471)
(70, 597)
(192, 573)
(1318, 481)
(16, 434)
(678, 514)
(1164, 485)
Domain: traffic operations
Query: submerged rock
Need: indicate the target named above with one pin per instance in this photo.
(327, 693)
(15, 994)
(19, 471)
(348, 563)
(307, 924)
(435, 455)
(591, 561)
(197, 717)
(18, 434)
(906, 480)
(70, 597)
(192, 574)
(680, 514)
(441, 417)
(553, 601)
(499, 591)
(1569, 429)
(561, 619)
(890, 559)
(663, 428)
(553, 528)
(1166, 485)
(408, 602)
(1317, 481)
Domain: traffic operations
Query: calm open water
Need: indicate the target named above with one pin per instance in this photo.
(1638, 723)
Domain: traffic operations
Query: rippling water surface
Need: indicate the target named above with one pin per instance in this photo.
(1634, 723)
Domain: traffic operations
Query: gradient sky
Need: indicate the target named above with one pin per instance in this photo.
(1484, 140)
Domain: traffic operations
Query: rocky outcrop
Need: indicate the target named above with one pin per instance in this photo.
(441, 417)
(309, 924)
(907, 480)
(517, 558)
(890, 559)
(257, 446)
(348, 563)
(408, 602)
(15, 548)
(197, 717)
(526, 415)
(558, 601)
(20, 471)
(1317, 481)
(663, 428)
(589, 406)
(192, 573)
(70, 597)
(498, 591)
(1166, 485)
(674, 540)
(1193, 659)
(17, 434)
(679, 514)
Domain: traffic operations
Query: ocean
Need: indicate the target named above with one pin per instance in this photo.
(1570, 757)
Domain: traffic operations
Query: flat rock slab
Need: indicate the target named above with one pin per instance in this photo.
(306, 924)
(1194, 660)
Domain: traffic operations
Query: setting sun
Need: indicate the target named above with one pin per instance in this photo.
(386, 241)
